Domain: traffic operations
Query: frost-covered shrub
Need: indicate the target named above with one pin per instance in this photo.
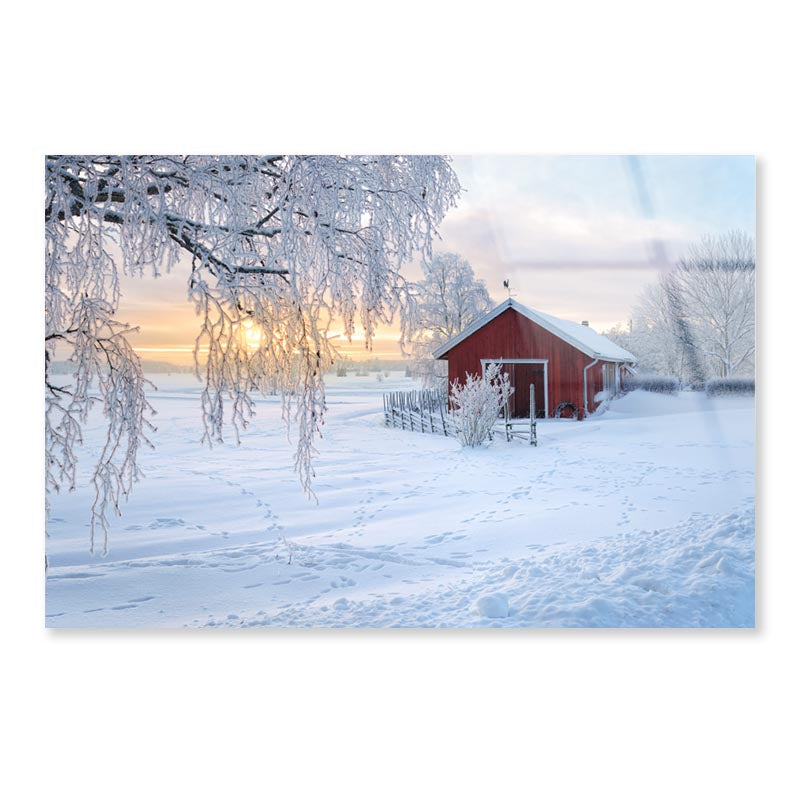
(730, 386)
(477, 403)
(661, 384)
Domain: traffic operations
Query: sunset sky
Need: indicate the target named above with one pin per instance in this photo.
(574, 234)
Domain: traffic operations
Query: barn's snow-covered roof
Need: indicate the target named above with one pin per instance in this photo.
(579, 336)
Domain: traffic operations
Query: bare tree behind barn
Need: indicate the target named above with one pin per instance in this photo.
(449, 298)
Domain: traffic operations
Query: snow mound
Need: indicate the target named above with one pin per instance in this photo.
(493, 606)
(700, 573)
(640, 403)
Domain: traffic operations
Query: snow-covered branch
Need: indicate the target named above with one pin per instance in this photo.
(107, 371)
(281, 248)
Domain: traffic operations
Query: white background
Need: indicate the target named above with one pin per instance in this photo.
(382, 714)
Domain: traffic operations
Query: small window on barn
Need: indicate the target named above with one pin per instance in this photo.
(609, 379)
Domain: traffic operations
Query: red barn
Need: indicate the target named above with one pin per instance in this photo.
(568, 364)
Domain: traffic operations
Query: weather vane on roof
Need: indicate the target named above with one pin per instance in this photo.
(507, 285)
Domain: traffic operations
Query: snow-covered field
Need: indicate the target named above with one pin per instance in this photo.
(641, 516)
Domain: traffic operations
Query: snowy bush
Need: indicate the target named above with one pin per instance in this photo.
(730, 386)
(661, 384)
(477, 403)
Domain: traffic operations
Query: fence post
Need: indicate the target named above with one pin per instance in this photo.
(532, 407)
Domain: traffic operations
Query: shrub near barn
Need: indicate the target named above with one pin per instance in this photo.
(730, 386)
(660, 384)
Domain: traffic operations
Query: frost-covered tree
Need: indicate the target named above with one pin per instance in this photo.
(478, 402)
(712, 296)
(698, 320)
(277, 248)
(448, 299)
(650, 334)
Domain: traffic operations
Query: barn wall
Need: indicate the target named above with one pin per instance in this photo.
(512, 335)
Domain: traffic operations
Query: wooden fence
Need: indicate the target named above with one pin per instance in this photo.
(420, 410)
(427, 412)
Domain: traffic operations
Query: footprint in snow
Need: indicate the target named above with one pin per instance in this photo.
(166, 522)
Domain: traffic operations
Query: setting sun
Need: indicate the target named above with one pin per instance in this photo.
(251, 334)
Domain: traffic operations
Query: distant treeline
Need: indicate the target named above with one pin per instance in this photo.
(347, 365)
(369, 365)
(66, 367)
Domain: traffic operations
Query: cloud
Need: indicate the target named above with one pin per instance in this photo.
(534, 233)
